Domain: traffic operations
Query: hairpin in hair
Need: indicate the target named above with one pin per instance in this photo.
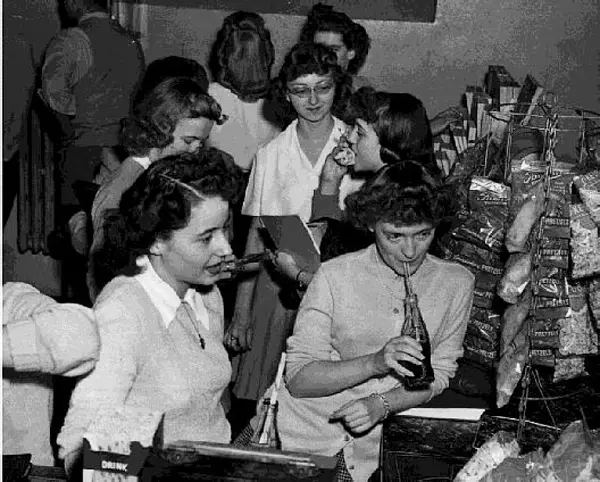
(182, 184)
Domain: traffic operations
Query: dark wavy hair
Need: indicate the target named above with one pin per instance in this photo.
(310, 58)
(323, 18)
(157, 204)
(404, 193)
(400, 122)
(154, 119)
(167, 67)
(243, 55)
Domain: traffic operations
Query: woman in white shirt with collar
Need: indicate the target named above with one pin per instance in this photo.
(283, 179)
(161, 318)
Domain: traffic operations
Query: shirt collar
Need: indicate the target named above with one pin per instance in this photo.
(143, 161)
(383, 270)
(164, 297)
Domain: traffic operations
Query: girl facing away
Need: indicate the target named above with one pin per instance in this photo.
(243, 56)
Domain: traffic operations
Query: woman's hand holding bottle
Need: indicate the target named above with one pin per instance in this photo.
(397, 349)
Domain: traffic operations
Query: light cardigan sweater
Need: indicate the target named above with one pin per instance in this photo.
(352, 307)
(144, 363)
(45, 338)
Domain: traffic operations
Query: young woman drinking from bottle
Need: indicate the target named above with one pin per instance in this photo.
(347, 360)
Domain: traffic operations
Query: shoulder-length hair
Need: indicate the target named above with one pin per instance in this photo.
(400, 122)
(160, 202)
(307, 58)
(323, 18)
(243, 56)
(404, 193)
(155, 117)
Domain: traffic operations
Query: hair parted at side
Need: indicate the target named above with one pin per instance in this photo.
(243, 55)
(323, 18)
(307, 58)
(159, 203)
(155, 117)
(405, 193)
(400, 122)
(167, 67)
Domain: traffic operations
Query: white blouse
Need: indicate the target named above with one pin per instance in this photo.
(283, 180)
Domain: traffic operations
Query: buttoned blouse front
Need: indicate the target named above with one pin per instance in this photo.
(353, 306)
(283, 180)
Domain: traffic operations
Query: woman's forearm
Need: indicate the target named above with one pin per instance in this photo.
(401, 399)
(322, 378)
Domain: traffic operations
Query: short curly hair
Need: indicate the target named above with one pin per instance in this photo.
(158, 203)
(400, 122)
(307, 58)
(323, 18)
(405, 193)
(243, 55)
(155, 117)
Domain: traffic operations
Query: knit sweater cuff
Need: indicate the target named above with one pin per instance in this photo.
(22, 337)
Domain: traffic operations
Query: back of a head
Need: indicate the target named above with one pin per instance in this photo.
(168, 67)
(323, 18)
(243, 55)
(404, 193)
(154, 119)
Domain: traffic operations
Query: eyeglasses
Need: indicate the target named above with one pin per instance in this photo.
(306, 92)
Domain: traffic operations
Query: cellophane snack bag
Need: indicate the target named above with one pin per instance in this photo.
(585, 243)
(588, 188)
(485, 225)
(568, 368)
(516, 277)
(594, 300)
(577, 333)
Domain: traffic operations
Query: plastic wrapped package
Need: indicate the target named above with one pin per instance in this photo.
(512, 363)
(567, 368)
(585, 243)
(513, 320)
(526, 217)
(550, 282)
(491, 454)
(588, 188)
(516, 277)
(554, 252)
(485, 225)
(594, 300)
(545, 334)
(577, 334)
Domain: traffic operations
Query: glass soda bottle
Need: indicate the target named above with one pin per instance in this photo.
(414, 326)
(267, 434)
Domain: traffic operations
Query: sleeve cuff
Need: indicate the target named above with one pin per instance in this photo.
(22, 337)
(326, 206)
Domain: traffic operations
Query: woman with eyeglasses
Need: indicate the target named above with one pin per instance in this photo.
(160, 318)
(284, 177)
